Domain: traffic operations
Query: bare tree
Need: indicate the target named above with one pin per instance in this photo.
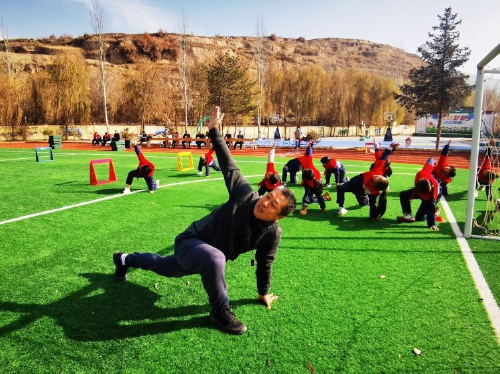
(183, 27)
(4, 34)
(11, 111)
(68, 101)
(143, 98)
(96, 20)
(261, 59)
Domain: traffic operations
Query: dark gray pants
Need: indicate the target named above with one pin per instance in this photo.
(191, 256)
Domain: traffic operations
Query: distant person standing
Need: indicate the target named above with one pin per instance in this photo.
(298, 137)
(277, 135)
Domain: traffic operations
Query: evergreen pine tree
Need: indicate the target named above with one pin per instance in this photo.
(229, 87)
(437, 86)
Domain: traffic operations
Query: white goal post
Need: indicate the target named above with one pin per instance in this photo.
(476, 133)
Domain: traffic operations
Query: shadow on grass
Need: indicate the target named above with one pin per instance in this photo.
(66, 183)
(107, 310)
(110, 191)
(456, 196)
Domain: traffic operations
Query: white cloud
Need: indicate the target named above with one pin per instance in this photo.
(134, 16)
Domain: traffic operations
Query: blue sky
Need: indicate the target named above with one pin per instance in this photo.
(404, 24)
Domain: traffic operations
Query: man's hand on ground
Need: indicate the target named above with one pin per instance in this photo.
(268, 299)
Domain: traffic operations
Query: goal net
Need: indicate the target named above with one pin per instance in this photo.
(483, 202)
(486, 220)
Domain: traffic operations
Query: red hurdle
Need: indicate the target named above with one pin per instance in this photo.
(111, 173)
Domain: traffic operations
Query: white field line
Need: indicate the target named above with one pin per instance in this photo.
(485, 293)
(204, 180)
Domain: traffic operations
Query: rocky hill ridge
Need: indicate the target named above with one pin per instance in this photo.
(329, 53)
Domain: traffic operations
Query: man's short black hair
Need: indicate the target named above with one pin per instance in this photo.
(451, 172)
(292, 202)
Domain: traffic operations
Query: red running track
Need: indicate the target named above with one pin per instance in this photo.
(459, 159)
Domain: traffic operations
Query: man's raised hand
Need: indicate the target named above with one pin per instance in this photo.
(215, 118)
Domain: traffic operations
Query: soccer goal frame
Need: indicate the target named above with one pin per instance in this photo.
(476, 134)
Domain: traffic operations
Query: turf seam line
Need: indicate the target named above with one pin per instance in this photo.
(482, 287)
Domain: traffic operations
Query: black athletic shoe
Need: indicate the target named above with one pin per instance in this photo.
(120, 270)
(227, 321)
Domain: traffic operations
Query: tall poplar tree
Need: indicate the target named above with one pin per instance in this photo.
(437, 85)
(96, 19)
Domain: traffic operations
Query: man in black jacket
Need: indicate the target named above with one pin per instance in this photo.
(245, 222)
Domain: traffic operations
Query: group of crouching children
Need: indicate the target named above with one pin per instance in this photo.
(370, 188)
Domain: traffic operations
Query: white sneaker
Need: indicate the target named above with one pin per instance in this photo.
(157, 183)
(342, 211)
(200, 173)
(328, 185)
(126, 191)
(408, 218)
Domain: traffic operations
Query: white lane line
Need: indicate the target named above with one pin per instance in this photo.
(485, 293)
(204, 180)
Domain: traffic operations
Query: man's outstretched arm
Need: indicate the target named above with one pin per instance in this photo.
(236, 183)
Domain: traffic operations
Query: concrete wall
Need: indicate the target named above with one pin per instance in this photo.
(42, 132)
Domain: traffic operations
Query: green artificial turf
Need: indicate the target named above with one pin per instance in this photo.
(355, 295)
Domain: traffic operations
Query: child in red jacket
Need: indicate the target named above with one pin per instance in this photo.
(209, 162)
(145, 170)
(427, 189)
(486, 175)
(311, 181)
(272, 178)
(443, 172)
(369, 186)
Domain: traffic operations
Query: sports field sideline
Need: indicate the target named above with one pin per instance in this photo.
(355, 296)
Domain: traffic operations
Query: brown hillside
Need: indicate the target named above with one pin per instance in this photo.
(32, 55)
